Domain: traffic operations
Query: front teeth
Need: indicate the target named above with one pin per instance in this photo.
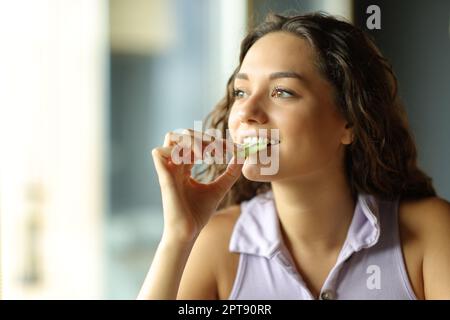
(272, 142)
(255, 140)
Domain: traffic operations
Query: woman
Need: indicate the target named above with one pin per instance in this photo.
(348, 215)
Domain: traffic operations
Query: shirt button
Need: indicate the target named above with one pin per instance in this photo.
(327, 295)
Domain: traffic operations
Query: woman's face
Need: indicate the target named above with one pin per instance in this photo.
(279, 87)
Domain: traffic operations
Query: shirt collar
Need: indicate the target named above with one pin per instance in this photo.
(257, 229)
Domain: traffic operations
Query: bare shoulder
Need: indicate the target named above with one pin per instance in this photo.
(425, 232)
(210, 262)
(423, 216)
(217, 233)
(223, 221)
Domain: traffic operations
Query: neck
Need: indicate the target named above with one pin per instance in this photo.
(315, 211)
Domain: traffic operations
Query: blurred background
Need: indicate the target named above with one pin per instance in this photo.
(89, 87)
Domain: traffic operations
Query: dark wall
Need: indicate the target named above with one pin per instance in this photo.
(415, 37)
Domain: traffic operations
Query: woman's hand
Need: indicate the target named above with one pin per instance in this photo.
(187, 203)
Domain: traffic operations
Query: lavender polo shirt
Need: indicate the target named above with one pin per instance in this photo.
(370, 264)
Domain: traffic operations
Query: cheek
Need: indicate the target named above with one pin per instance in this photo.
(322, 120)
(233, 124)
(312, 131)
(296, 124)
(330, 131)
(322, 138)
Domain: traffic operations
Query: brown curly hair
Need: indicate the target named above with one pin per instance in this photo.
(382, 159)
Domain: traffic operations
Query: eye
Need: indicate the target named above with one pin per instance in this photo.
(279, 92)
(238, 94)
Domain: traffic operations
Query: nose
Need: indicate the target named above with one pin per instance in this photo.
(252, 111)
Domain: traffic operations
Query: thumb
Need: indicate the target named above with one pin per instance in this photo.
(225, 181)
(161, 156)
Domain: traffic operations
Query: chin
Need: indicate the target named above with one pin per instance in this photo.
(259, 173)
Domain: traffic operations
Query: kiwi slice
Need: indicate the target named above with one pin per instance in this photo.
(251, 148)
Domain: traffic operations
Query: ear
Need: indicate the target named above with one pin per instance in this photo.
(347, 136)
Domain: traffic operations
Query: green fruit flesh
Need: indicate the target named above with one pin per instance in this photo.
(251, 149)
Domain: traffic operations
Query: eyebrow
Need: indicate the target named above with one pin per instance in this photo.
(277, 75)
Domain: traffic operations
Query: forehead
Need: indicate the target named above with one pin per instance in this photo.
(279, 51)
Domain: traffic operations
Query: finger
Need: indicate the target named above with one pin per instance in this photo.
(184, 143)
(226, 180)
(200, 142)
(201, 138)
(200, 135)
(161, 158)
(164, 152)
(169, 140)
